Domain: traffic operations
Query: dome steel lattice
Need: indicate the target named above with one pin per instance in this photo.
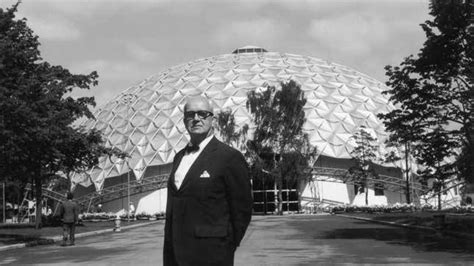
(146, 120)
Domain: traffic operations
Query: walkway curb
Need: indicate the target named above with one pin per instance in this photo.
(450, 233)
(52, 240)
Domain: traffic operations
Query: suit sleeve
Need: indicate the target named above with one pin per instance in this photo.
(239, 196)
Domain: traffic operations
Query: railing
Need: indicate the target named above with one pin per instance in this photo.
(390, 183)
(318, 201)
(53, 195)
(107, 194)
(334, 172)
(314, 204)
(46, 193)
(121, 190)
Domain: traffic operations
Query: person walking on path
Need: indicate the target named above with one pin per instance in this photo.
(209, 202)
(69, 214)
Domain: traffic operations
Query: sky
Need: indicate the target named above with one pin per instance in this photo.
(126, 41)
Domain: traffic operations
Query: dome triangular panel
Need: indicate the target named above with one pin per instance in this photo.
(146, 120)
(139, 169)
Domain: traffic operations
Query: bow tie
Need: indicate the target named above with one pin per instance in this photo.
(191, 148)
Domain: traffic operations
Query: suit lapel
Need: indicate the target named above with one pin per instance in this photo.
(176, 163)
(201, 161)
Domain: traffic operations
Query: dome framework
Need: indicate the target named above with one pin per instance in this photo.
(145, 120)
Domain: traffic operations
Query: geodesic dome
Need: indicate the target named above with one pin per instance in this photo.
(146, 120)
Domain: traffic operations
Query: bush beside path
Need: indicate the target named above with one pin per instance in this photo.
(11, 234)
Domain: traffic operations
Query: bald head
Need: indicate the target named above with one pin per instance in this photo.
(200, 102)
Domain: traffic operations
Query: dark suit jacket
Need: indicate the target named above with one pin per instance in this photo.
(69, 211)
(206, 218)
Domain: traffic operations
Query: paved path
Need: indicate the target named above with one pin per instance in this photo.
(287, 240)
(326, 240)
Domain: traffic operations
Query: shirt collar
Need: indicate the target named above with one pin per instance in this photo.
(203, 143)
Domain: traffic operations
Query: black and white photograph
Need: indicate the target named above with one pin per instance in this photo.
(236, 132)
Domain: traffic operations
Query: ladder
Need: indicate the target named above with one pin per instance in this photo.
(24, 205)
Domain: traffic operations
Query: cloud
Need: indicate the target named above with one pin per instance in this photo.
(112, 69)
(56, 29)
(88, 66)
(46, 21)
(140, 53)
(258, 31)
(351, 33)
(114, 77)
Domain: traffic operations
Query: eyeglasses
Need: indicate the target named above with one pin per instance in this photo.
(201, 114)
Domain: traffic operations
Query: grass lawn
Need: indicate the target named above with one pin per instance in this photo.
(453, 221)
(21, 233)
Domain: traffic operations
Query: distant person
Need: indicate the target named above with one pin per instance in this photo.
(69, 214)
(131, 209)
(99, 208)
(209, 202)
(46, 210)
(15, 215)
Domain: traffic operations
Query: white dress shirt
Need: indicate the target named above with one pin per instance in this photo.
(187, 161)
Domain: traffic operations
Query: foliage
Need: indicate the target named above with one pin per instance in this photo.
(14, 191)
(364, 156)
(143, 216)
(393, 155)
(231, 134)
(97, 216)
(82, 151)
(433, 93)
(398, 208)
(279, 146)
(293, 166)
(395, 208)
(37, 136)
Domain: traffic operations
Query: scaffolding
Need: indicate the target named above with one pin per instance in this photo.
(111, 193)
(390, 183)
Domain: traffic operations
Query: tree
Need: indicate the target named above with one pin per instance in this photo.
(394, 156)
(229, 131)
(433, 94)
(278, 141)
(436, 155)
(37, 136)
(82, 150)
(364, 155)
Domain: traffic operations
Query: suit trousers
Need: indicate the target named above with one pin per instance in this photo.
(69, 230)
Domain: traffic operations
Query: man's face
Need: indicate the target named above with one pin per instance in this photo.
(198, 117)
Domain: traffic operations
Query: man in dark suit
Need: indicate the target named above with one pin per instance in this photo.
(69, 214)
(209, 202)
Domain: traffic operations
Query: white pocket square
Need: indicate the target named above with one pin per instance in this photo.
(204, 174)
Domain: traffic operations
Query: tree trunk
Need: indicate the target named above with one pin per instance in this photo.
(299, 200)
(69, 182)
(264, 188)
(407, 174)
(38, 196)
(439, 200)
(279, 195)
(366, 195)
(280, 202)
